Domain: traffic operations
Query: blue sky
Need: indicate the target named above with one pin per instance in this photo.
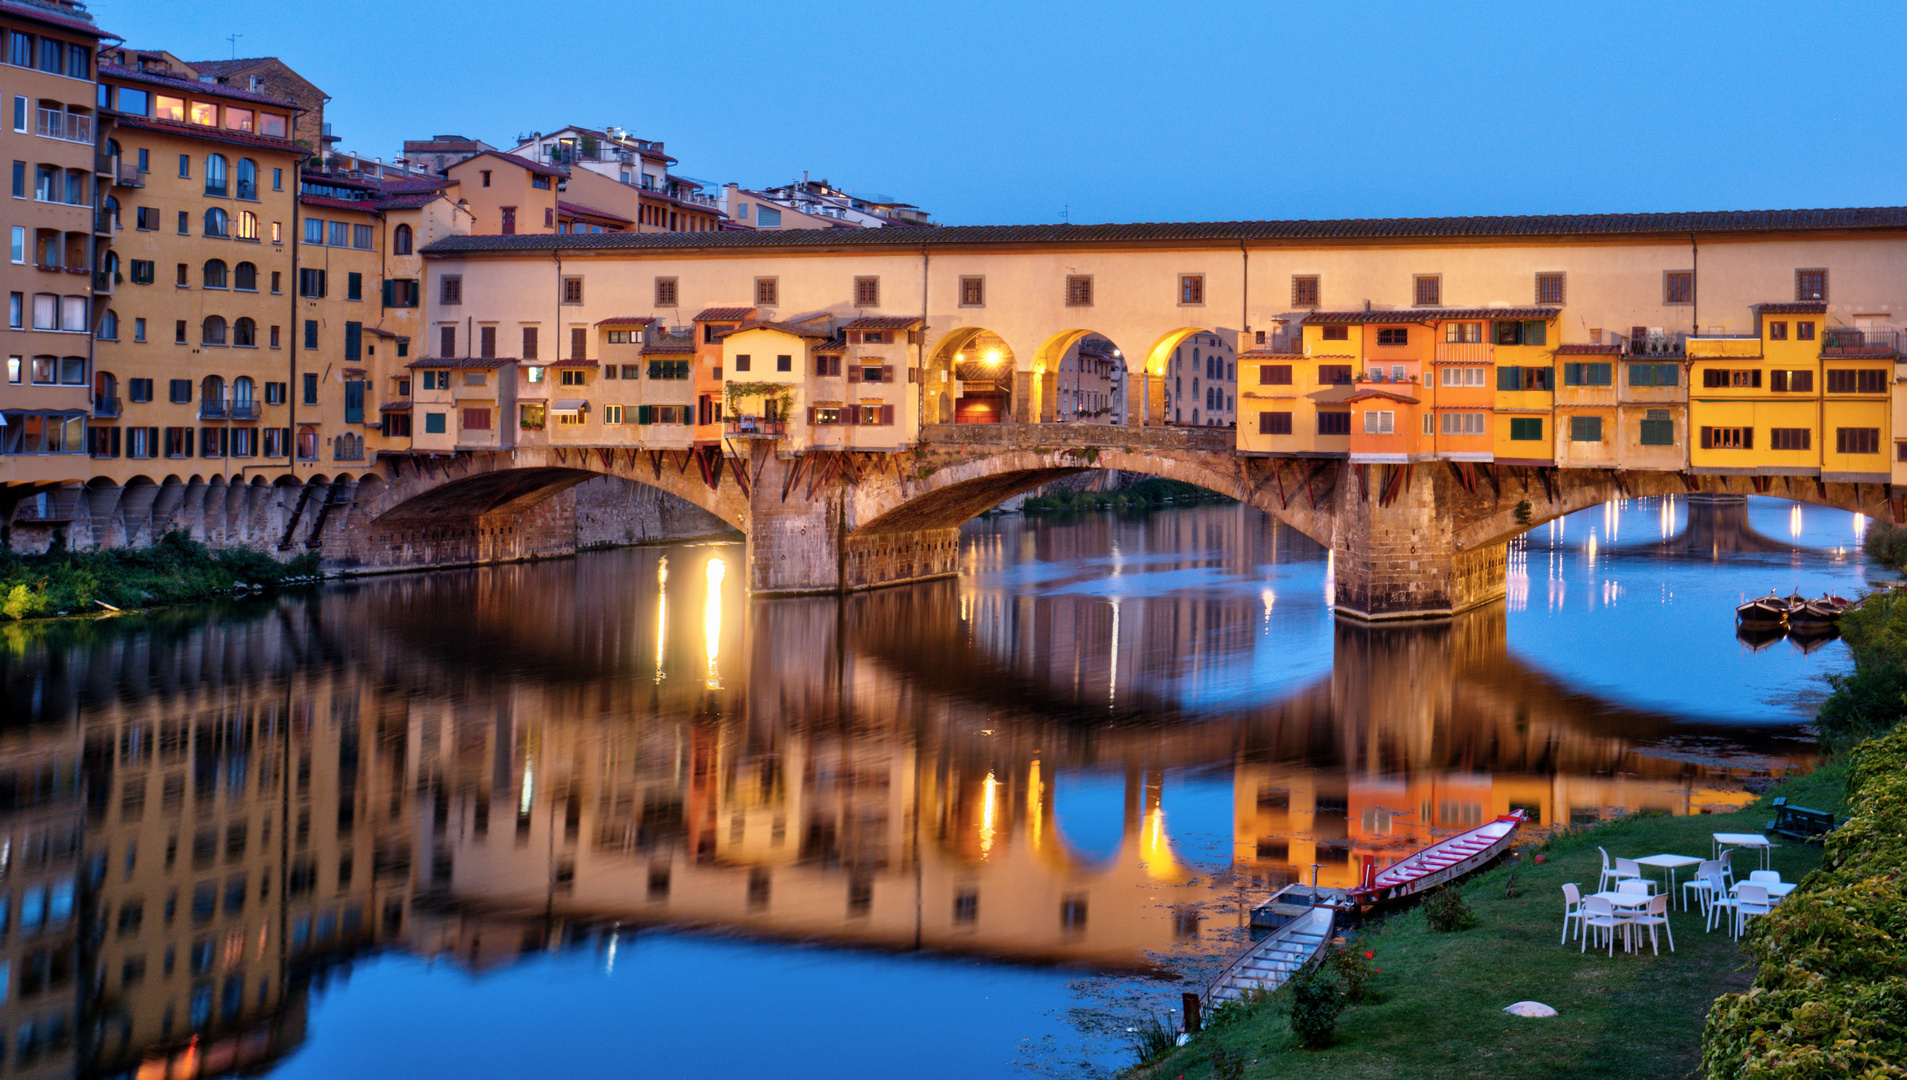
(995, 112)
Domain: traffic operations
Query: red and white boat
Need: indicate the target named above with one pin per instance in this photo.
(1442, 862)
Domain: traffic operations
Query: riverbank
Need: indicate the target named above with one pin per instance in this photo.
(1147, 493)
(174, 570)
(1437, 1001)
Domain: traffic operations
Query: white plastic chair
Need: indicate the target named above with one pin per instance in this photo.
(1656, 914)
(1630, 870)
(1750, 900)
(1719, 900)
(1572, 909)
(1703, 890)
(1637, 886)
(1728, 866)
(1601, 915)
(1765, 877)
(1608, 871)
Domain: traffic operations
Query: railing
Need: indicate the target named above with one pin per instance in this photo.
(126, 174)
(1464, 352)
(756, 429)
(560, 154)
(47, 506)
(1865, 341)
(1657, 345)
(103, 281)
(105, 405)
(213, 408)
(694, 199)
(70, 127)
(103, 222)
(244, 410)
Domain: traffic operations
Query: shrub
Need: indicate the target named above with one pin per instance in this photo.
(1352, 968)
(1886, 544)
(1447, 911)
(1154, 1038)
(1314, 1005)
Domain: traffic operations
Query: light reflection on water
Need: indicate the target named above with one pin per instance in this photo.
(554, 818)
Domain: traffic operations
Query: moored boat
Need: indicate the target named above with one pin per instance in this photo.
(1765, 611)
(1442, 862)
(1294, 901)
(1819, 615)
(1273, 960)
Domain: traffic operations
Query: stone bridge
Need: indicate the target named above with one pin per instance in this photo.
(1411, 540)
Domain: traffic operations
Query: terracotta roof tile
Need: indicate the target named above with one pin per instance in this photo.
(1587, 350)
(1381, 395)
(837, 345)
(791, 329)
(109, 70)
(538, 168)
(580, 210)
(474, 362)
(395, 406)
(50, 18)
(625, 320)
(1797, 307)
(885, 322)
(197, 131)
(1217, 232)
(362, 206)
(1426, 315)
(1267, 354)
(724, 314)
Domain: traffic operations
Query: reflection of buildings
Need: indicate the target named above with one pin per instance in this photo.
(257, 801)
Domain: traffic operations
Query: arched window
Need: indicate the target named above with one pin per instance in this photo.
(242, 387)
(214, 331)
(244, 332)
(105, 394)
(109, 326)
(111, 211)
(215, 222)
(401, 240)
(215, 174)
(212, 395)
(215, 273)
(247, 179)
(247, 225)
(245, 276)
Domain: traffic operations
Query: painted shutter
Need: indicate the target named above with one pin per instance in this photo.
(353, 341)
(642, 414)
(854, 373)
(1535, 332)
(814, 416)
(1708, 438)
(1508, 378)
(1755, 378)
(578, 343)
(887, 373)
(887, 414)
(390, 292)
(354, 401)
(1748, 438)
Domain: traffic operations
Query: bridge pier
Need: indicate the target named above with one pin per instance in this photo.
(1396, 551)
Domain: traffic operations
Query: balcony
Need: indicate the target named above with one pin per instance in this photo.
(105, 405)
(68, 127)
(1464, 352)
(1657, 345)
(1865, 341)
(104, 281)
(126, 174)
(244, 410)
(214, 408)
(568, 153)
(750, 428)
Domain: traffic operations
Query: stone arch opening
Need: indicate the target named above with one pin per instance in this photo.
(1081, 376)
(975, 375)
(1196, 370)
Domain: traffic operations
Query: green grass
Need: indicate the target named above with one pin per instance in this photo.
(173, 570)
(1439, 996)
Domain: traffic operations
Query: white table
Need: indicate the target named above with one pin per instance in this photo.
(1747, 840)
(1671, 863)
(1629, 903)
(1776, 889)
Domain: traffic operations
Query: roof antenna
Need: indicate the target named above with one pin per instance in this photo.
(234, 40)
(1065, 214)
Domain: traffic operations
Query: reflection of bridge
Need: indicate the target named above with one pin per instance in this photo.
(655, 749)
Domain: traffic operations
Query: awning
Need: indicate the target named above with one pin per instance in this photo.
(569, 405)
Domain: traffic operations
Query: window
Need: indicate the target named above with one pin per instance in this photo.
(1792, 382)
(1191, 289)
(1464, 376)
(1274, 375)
(246, 186)
(1334, 374)
(1534, 332)
(744, 362)
(1870, 381)
(1810, 284)
(665, 292)
(1585, 429)
(401, 240)
(1393, 335)
(1728, 438)
(529, 343)
(1526, 429)
(1427, 290)
(1657, 428)
(314, 231)
(213, 331)
(1587, 374)
(311, 333)
(1656, 374)
(215, 174)
(245, 332)
(274, 393)
(766, 217)
(311, 283)
(434, 423)
(1304, 290)
(572, 290)
(1549, 288)
(185, 160)
(1777, 331)
(340, 234)
(1463, 333)
(973, 292)
(446, 341)
(215, 222)
(276, 285)
(361, 237)
(487, 341)
(476, 419)
(1783, 438)
(1379, 421)
(214, 275)
(179, 391)
(1678, 287)
(1334, 422)
(178, 442)
(139, 390)
(612, 414)
(766, 289)
(1079, 290)
(450, 290)
(354, 286)
(1469, 423)
(579, 343)
(1274, 423)
(1522, 378)
(573, 377)
(867, 292)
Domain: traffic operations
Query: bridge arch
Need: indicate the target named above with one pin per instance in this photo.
(1057, 383)
(476, 484)
(984, 365)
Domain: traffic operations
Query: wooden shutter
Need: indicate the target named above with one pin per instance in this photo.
(642, 414)
(447, 340)
(814, 416)
(390, 292)
(1747, 438)
(529, 343)
(854, 373)
(887, 414)
(887, 373)
(579, 343)
(1708, 438)
(487, 339)
(1754, 378)
(820, 365)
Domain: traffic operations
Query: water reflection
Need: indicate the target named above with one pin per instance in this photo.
(1092, 749)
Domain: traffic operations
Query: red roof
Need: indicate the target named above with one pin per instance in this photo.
(884, 322)
(724, 314)
(46, 17)
(791, 329)
(111, 70)
(625, 320)
(670, 348)
(482, 362)
(1587, 350)
(199, 131)
(1385, 395)
(1798, 307)
(1427, 315)
(1266, 354)
(362, 206)
(536, 167)
(586, 211)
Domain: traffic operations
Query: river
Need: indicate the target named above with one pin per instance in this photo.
(606, 815)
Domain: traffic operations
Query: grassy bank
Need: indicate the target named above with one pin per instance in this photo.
(1438, 997)
(1153, 491)
(173, 570)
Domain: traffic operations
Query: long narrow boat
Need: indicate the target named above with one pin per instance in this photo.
(1441, 862)
(1275, 958)
(1765, 611)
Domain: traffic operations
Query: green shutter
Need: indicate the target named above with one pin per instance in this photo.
(642, 414)
(1508, 378)
(1667, 375)
(390, 292)
(1535, 332)
(353, 341)
(354, 402)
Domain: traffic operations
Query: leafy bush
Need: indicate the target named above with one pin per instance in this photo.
(1886, 543)
(1314, 1004)
(1352, 968)
(172, 570)
(1830, 996)
(1447, 911)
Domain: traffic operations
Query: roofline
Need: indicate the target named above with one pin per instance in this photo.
(1210, 234)
(56, 21)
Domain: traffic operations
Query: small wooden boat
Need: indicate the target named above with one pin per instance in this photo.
(1766, 611)
(1294, 901)
(1274, 959)
(1441, 862)
(1820, 615)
